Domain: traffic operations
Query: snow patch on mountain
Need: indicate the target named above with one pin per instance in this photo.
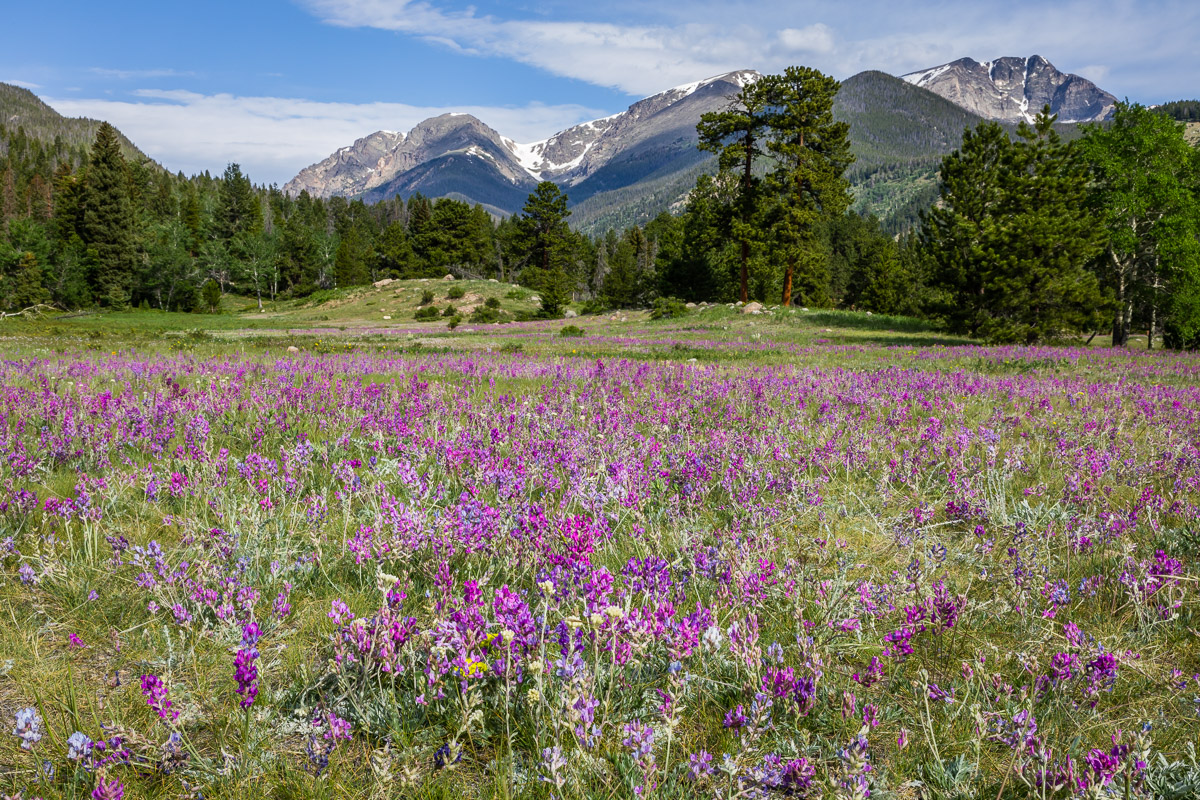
(923, 78)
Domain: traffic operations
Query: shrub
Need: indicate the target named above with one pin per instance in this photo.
(453, 323)
(426, 297)
(492, 302)
(456, 293)
(511, 347)
(449, 312)
(428, 312)
(485, 315)
(667, 307)
(571, 332)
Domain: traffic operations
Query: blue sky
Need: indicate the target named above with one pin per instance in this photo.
(279, 84)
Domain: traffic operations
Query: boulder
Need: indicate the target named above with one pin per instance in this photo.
(386, 316)
(752, 308)
(448, 278)
(293, 349)
(382, 283)
(570, 313)
(689, 305)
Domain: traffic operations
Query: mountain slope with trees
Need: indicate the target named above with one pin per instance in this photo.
(21, 109)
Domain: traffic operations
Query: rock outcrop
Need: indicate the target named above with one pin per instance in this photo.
(1012, 89)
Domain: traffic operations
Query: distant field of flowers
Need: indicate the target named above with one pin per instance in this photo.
(887, 573)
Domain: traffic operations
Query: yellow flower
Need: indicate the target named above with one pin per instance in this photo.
(473, 668)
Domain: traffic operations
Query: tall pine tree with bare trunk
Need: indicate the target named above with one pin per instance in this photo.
(812, 152)
(736, 136)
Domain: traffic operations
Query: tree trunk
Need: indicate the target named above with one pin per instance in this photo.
(745, 275)
(1120, 331)
(747, 211)
(787, 281)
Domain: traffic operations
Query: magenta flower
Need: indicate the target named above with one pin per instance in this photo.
(108, 790)
(245, 671)
(155, 692)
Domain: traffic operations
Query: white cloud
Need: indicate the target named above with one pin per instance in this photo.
(657, 45)
(140, 74)
(816, 38)
(639, 60)
(1096, 73)
(22, 84)
(273, 138)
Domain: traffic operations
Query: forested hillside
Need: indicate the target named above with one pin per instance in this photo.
(21, 109)
(1181, 110)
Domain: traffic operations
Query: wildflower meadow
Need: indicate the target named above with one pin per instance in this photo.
(824, 571)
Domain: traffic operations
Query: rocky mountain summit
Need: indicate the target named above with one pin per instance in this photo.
(458, 155)
(1012, 89)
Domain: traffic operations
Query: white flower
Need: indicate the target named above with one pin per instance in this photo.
(29, 727)
(78, 746)
(713, 639)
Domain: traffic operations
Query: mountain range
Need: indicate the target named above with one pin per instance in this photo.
(457, 155)
(628, 167)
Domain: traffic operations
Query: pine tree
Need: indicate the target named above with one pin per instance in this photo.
(238, 209)
(621, 281)
(961, 234)
(395, 253)
(736, 136)
(211, 295)
(21, 286)
(1012, 238)
(350, 263)
(1040, 286)
(550, 245)
(108, 220)
(812, 151)
(8, 195)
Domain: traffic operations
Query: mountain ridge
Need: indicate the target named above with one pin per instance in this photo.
(1012, 89)
(569, 157)
(20, 109)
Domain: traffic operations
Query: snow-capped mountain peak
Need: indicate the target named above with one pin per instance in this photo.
(372, 164)
(1012, 89)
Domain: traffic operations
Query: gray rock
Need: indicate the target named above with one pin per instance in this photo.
(448, 278)
(570, 313)
(752, 308)
(1012, 89)
(380, 284)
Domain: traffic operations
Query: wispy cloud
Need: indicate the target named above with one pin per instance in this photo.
(638, 59)
(273, 138)
(140, 74)
(657, 45)
(22, 84)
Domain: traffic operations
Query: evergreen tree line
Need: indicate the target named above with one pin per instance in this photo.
(1031, 238)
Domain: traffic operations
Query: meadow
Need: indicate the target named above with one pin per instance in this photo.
(790, 555)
